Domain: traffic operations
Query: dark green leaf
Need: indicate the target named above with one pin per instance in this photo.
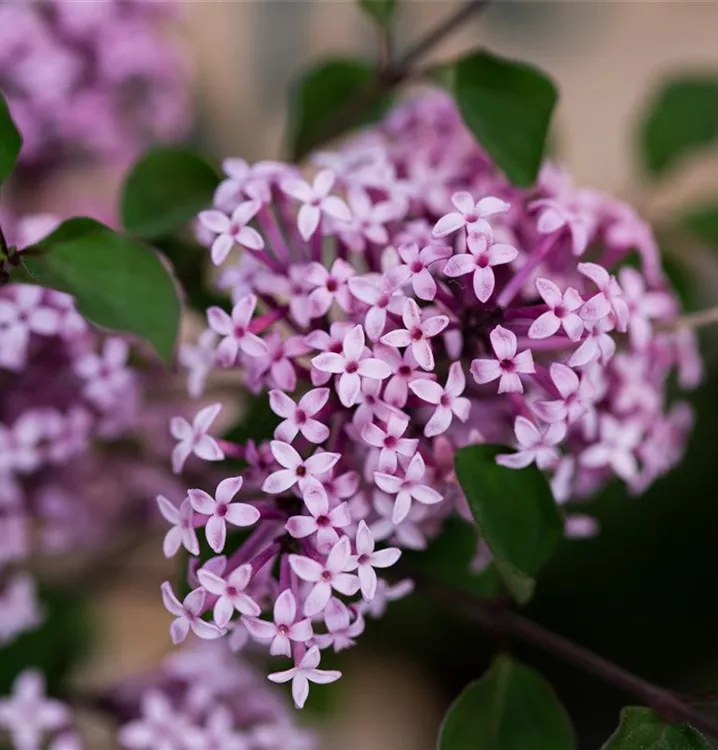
(118, 283)
(54, 648)
(510, 708)
(165, 190)
(681, 118)
(702, 222)
(10, 141)
(643, 729)
(507, 105)
(323, 94)
(382, 11)
(515, 512)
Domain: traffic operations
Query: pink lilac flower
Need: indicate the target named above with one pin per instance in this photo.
(187, 615)
(236, 331)
(448, 400)
(508, 364)
(220, 510)
(193, 438)
(304, 673)
(230, 594)
(285, 629)
(372, 331)
(232, 230)
(182, 533)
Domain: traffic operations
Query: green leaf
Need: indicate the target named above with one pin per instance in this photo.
(682, 118)
(510, 708)
(54, 648)
(381, 11)
(322, 94)
(515, 512)
(643, 729)
(118, 283)
(10, 140)
(165, 190)
(702, 222)
(507, 105)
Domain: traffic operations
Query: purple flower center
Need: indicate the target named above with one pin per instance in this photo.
(482, 261)
(232, 591)
(352, 367)
(221, 510)
(283, 630)
(405, 371)
(560, 311)
(239, 331)
(507, 365)
(363, 559)
(416, 334)
(300, 416)
(445, 400)
(323, 522)
(301, 470)
(332, 284)
(390, 442)
(326, 575)
(417, 266)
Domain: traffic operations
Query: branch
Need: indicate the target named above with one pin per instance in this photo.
(510, 623)
(390, 76)
(694, 320)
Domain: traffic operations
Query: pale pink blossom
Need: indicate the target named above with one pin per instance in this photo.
(295, 469)
(315, 200)
(535, 445)
(193, 438)
(448, 400)
(188, 615)
(236, 331)
(468, 212)
(390, 442)
(304, 673)
(231, 593)
(341, 631)
(351, 365)
(367, 559)
(322, 521)
(220, 510)
(561, 313)
(609, 299)
(232, 230)
(182, 533)
(331, 575)
(576, 396)
(616, 448)
(328, 286)
(298, 417)
(383, 295)
(507, 366)
(407, 488)
(417, 263)
(417, 333)
(285, 627)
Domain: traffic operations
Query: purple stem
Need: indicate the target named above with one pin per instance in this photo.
(270, 228)
(521, 276)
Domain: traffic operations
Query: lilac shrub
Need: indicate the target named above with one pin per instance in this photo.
(82, 433)
(200, 698)
(403, 303)
(91, 79)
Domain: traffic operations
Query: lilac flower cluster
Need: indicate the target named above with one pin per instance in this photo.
(91, 78)
(199, 699)
(405, 302)
(69, 427)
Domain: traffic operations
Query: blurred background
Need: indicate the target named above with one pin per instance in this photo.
(643, 593)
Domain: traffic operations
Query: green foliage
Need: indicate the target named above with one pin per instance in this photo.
(10, 141)
(165, 190)
(323, 93)
(510, 708)
(682, 118)
(515, 512)
(643, 729)
(118, 283)
(54, 647)
(381, 11)
(508, 106)
(702, 222)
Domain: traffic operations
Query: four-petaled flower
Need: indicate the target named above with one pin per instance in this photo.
(508, 364)
(299, 417)
(188, 615)
(304, 673)
(367, 559)
(231, 593)
(333, 574)
(193, 438)
(449, 401)
(295, 469)
(561, 312)
(467, 212)
(483, 255)
(285, 627)
(609, 299)
(534, 445)
(417, 333)
(182, 533)
(232, 230)
(222, 511)
(351, 365)
(322, 521)
(417, 263)
(390, 441)
(576, 395)
(316, 201)
(236, 331)
(407, 488)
